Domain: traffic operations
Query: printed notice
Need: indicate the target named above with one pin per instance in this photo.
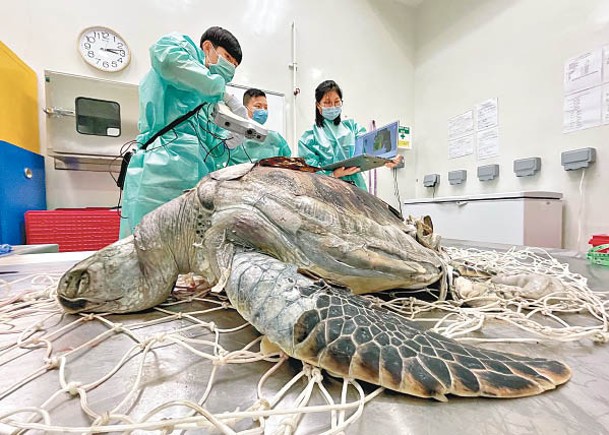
(582, 110)
(488, 143)
(606, 64)
(606, 104)
(461, 125)
(487, 114)
(584, 71)
(461, 147)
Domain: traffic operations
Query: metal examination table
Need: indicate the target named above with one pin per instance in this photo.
(579, 407)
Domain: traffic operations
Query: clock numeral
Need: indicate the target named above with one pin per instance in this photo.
(120, 60)
(106, 64)
(102, 35)
(87, 46)
(90, 39)
(114, 64)
(119, 45)
(91, 53)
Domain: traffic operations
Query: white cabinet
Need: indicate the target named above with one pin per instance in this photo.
(518, 218)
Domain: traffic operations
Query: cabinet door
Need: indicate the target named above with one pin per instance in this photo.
(22, 188)
(88, 116)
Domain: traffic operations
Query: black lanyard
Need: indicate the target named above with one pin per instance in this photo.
(120, 182)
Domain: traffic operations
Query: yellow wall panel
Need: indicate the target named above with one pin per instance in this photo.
(18, 102)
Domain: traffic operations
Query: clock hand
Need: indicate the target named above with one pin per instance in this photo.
(111, 50)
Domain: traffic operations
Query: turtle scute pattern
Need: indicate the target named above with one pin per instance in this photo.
(349, 336)
(329, 327)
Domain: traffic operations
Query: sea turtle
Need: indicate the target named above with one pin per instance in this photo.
(293, 249)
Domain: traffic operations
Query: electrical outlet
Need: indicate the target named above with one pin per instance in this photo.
(457, 177)
(488, 172)
(431, 180)
(578, 159)
(527, 167)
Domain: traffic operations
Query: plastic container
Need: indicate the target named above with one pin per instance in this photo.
(600, 239)
(74, 229)
(596, 255)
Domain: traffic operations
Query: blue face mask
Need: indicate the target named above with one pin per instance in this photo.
(260, 116)
(331, 113)
(224, 68)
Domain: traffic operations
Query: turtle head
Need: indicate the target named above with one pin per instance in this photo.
(114, 280)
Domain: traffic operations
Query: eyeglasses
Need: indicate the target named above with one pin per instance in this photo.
(328, 104)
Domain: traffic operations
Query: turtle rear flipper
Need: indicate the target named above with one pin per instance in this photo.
(329, 327)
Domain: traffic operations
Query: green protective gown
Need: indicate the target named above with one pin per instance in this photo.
(252, 151)
(332, 143)
(178, 82)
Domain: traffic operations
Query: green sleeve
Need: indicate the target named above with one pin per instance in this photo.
(357, 129)
(306, 151)
(175, 58)
(282, 146)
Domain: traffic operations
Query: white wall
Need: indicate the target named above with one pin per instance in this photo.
(365, 45)
(472, 50)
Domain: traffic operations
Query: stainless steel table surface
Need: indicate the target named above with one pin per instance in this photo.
(581, 406)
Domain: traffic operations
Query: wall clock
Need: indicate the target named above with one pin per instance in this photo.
(104, 49)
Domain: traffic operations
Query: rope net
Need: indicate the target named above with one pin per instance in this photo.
(528, 289)
(183, 365)
(111, 360)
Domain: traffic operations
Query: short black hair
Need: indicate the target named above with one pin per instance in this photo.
(321, 90)
(252, 93)
(221, 37)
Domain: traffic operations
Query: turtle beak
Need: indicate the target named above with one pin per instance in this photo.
(72, 305)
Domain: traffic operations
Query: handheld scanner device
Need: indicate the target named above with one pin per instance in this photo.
(250, 129)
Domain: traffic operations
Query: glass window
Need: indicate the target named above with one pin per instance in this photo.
(98, 117)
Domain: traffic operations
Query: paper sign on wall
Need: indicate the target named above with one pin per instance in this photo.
(460, 135)
(584, 103)
(487, 114)
(404, 138)
(461, 125)
(461, 147)
(488, 143)
(606, 104)
(583, 71)
(582, 110)
(606, 64)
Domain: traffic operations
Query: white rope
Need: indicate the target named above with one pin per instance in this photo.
(580, 213)
(551, 316)
(32, 324)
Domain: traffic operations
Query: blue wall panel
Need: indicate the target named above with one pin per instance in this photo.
(22, 188)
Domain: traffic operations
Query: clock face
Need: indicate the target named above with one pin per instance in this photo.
(103, 49)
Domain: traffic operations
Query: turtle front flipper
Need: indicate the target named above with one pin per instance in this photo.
(329, 327)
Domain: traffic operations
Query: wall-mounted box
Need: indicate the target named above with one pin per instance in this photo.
(488, 172)
(457, 177)
(577, 159)
(431, 180)
(527, 167)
